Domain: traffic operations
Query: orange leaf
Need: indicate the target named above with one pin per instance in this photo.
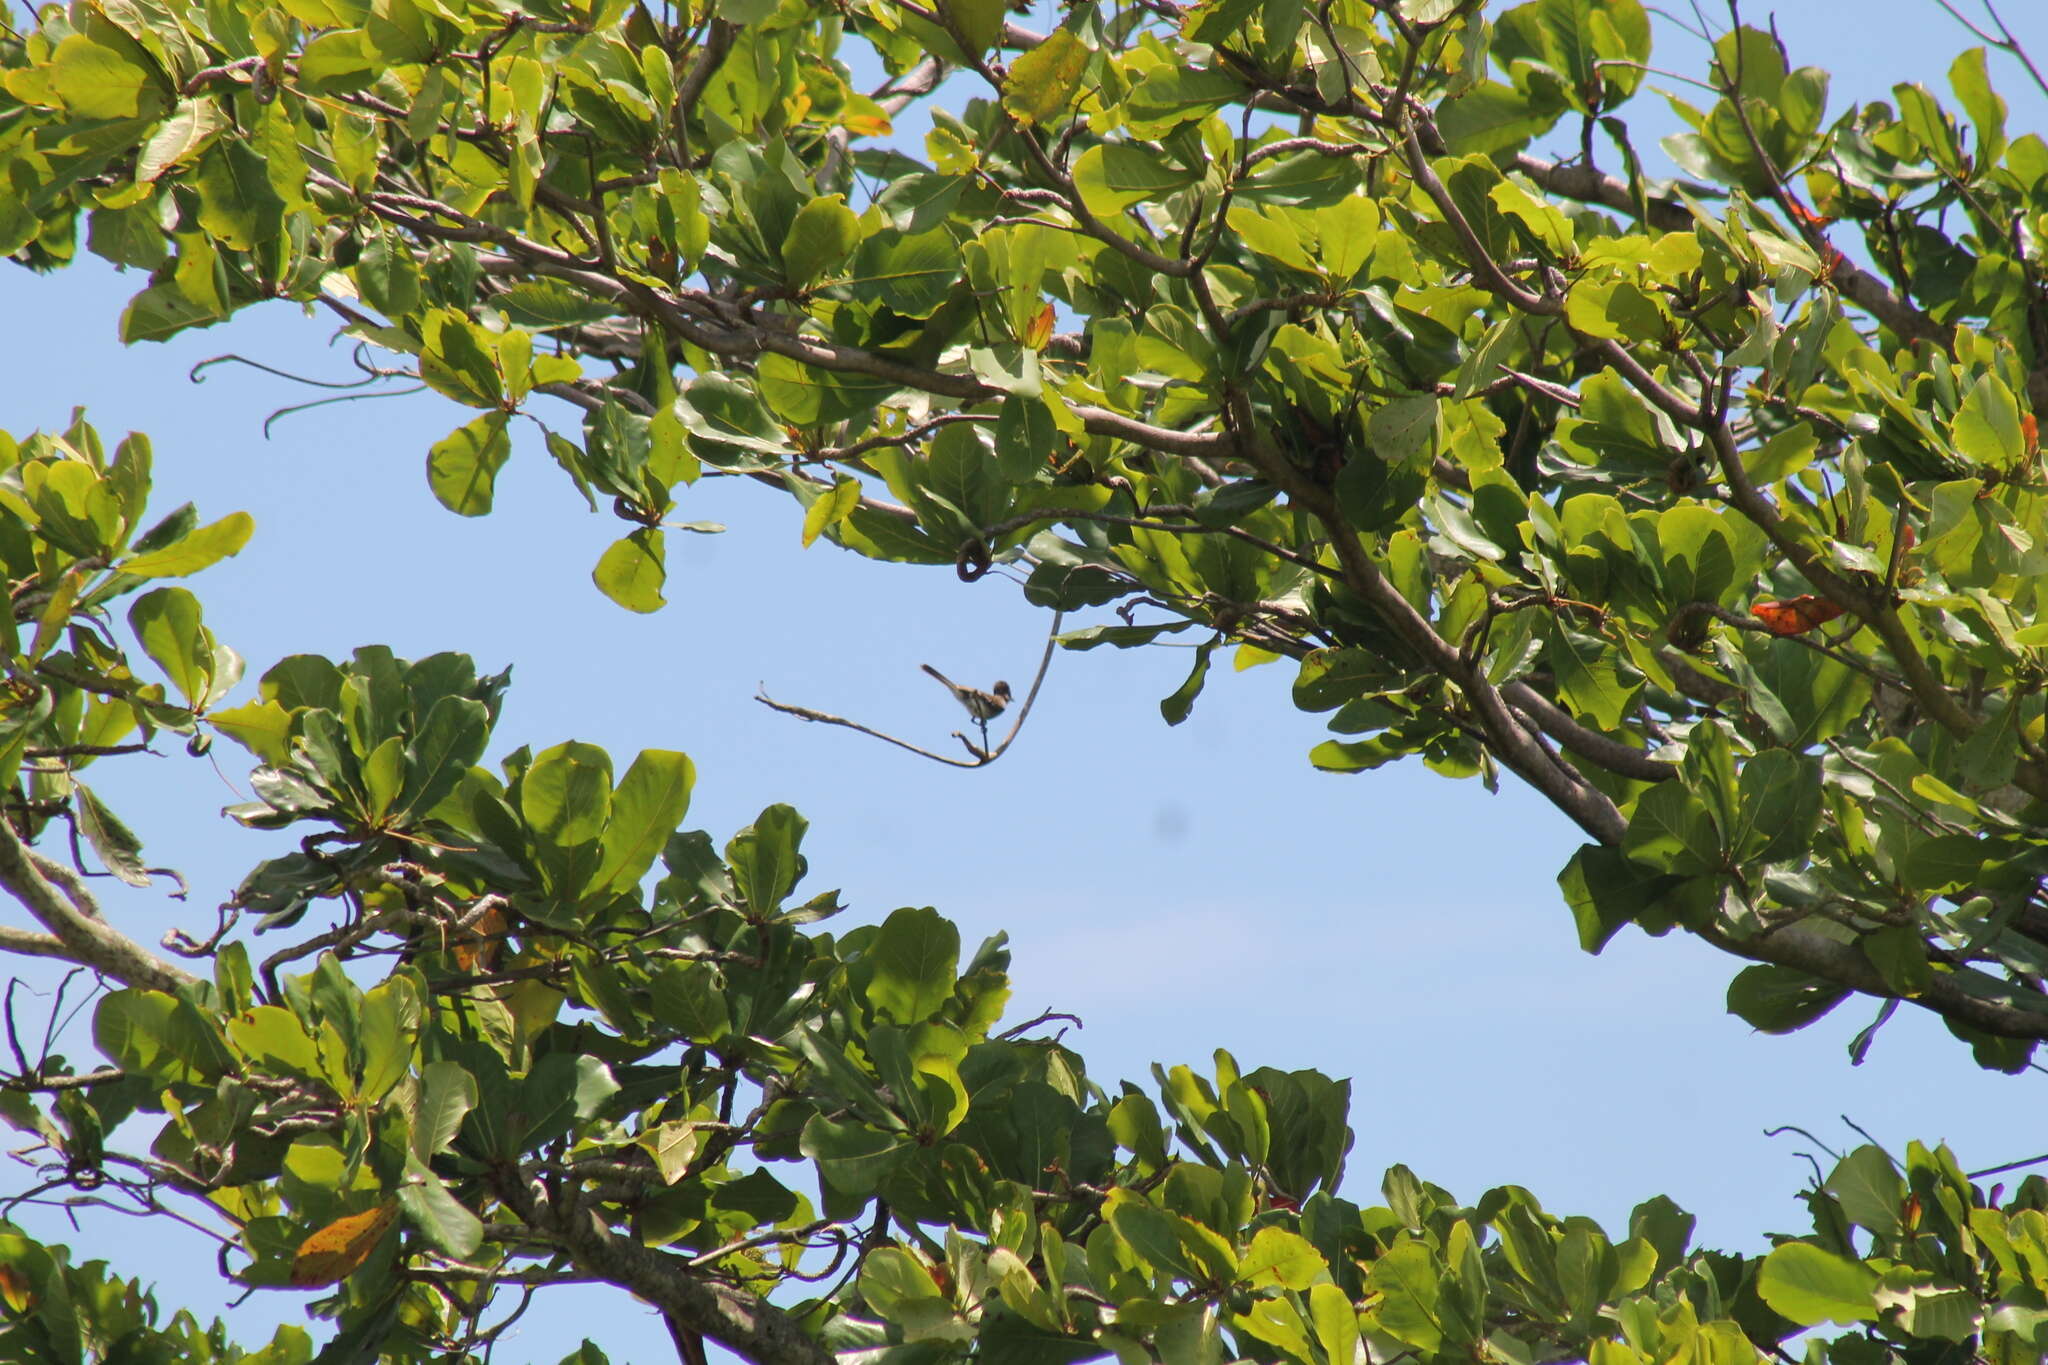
(1795, 615)
(481, 943)
(1040, 330)
(338, 1250)
(15, 1289)
(1805, 215)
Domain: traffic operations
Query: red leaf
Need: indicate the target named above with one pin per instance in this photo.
(1795, 615)
(1805, 215)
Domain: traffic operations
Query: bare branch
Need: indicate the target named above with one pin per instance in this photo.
(58, 899)
(981, 757)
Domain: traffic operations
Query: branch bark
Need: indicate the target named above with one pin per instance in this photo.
(78, 933)
(743, 1323)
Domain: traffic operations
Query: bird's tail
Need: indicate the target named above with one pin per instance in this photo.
(943, 679)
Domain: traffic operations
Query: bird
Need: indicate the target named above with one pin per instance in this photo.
(983, 706)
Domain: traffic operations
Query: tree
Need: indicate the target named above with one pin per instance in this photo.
(1258, 323)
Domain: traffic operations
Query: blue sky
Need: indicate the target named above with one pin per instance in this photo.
(1180, 889)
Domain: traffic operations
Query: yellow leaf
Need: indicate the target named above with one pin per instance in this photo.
(338, 1250)
(831, 508)
(262, 727)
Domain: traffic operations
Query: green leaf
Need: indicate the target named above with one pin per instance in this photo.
(441, 1218)
(1900, 956)
(237, 204)
(977, 23)
(1114, 175)
(275, 1039)
(633, 570)
(1589, 679)
(766, 864)
(1491, 117)
(1347, 231)
(1276, 234)
(1026, 438)
(912, 272)
(1043, 81)
(1871, 1191)
(118, 848)
(1177, 707)
(161, 1037)
(455, 361)
(387, 1023)
(897, 1284)
(1987, 426)
(565, 794)
(389, 276)
(1781, 804)
(1173, 94)
(1411, 1280)
(437, 757)
(1811, 1285)
(689, 997)
(206, 546)
(1605, 891)
(821, 238)
(167, 623)
(830, 508)
(595, 1086)
(1168, 1242)
(180, 138)
(916, 957)
(97, 82)
(650, 802)
(1281, 1258)
(547, 304)
(1403, 430)
(462, 468)
(1781, 999)
(447, 1094)
(852, 1156)
(1972, 84)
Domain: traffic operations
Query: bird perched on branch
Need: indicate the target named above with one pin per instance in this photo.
(983, 706)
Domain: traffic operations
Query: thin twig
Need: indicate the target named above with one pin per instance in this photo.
(982, 756)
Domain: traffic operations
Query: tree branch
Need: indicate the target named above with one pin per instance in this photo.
(61, 904)
(744, 1323)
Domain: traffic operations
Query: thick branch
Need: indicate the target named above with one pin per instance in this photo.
(1618, 758)
(29, 943)
(1511, 741)
(1845, 965)
(60, 903)
(744, 1323)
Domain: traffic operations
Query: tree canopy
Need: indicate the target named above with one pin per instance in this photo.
(1711, 508)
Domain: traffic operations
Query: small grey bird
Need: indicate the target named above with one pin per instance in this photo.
(983, 706)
